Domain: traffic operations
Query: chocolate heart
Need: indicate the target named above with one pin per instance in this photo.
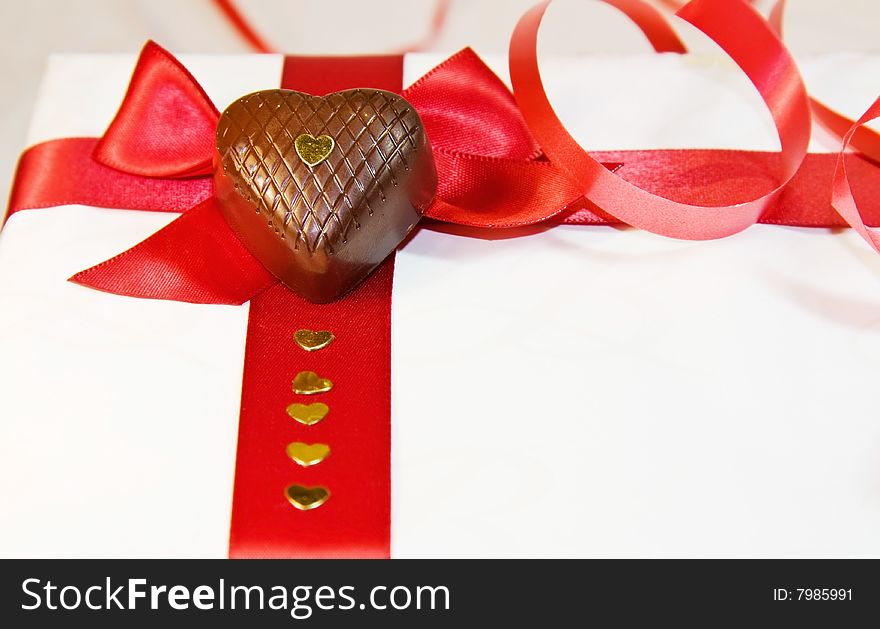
(322, 189)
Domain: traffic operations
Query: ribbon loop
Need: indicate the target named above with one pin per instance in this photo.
(864, 139)
(165, 126)
(842, 197)
(745, 36)
(466, 108)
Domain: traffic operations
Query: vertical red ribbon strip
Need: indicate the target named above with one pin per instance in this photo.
(356, 520)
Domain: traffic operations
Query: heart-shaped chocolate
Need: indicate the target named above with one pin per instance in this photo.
(322, 189)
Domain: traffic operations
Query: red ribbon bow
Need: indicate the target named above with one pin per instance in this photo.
(157, 154)
(164, 131)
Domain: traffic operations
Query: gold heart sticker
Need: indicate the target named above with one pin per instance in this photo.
(312, 341)
(308, 414)
(308, 383)
(306, 498)
(313, 150)
(308, 454)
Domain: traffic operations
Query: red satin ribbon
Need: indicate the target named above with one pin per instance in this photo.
(356, 521)
(64, 172)
(652, 23)
(685, 175)
(865, 140)
(195, 259)
(242, 26)
(760, 55)
(723, 176)
(843, 198)
(162, 96)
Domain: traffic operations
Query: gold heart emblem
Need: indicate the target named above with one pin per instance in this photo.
(306, 454)
(313, 150)
(308, 414)
(306, 498)
(312, 341)
(308, 383)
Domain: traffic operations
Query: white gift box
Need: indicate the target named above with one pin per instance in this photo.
(578, 392)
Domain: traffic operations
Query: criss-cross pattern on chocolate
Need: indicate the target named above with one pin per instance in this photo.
(318, 206)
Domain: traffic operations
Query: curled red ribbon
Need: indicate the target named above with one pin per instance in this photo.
(760, 55)
(842, 197)
(865, 140)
